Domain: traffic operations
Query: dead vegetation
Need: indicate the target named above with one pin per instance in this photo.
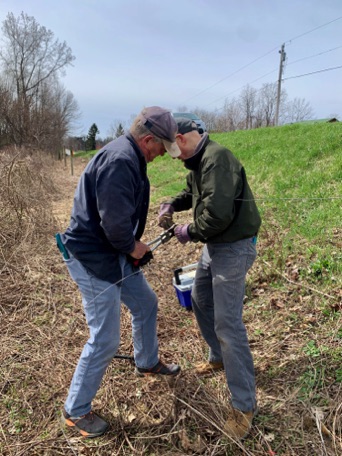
(294, 329)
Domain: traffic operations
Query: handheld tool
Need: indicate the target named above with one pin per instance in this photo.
(161, 239)
(129, 358)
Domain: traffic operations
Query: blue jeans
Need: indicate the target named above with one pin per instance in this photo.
(217, 301)
(101, 302)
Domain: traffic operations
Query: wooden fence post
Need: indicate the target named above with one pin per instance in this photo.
(72, 161)
(70, 153)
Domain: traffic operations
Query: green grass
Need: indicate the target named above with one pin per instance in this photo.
(88, 154)
(296, 161)
(295, 172)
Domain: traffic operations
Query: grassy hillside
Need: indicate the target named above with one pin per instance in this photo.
(301, 162)
(295, 172)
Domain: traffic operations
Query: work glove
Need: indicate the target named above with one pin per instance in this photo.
(165, 215)
(138, 262)
(182, 233)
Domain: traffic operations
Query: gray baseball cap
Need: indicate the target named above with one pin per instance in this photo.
(161, 123)
(185, 125)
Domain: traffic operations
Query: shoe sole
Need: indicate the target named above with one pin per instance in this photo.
(209, 370)
(71, 425)
(155, 374)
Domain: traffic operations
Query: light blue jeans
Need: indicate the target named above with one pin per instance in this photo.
(101, 301)
(217, 301)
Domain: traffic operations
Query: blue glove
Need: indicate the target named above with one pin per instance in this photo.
(182, 233)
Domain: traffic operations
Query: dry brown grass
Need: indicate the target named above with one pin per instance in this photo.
(43, 331)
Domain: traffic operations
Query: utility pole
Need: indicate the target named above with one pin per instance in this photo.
(282, 60)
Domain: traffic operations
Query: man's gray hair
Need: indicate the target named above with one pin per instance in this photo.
(138, 129)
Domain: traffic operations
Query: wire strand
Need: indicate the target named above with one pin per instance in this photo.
(314, 55)
(313, 72)
(231, 74)
(271, 198)
(259, 58)
(312, 30)
(114, 284)
(227, 95)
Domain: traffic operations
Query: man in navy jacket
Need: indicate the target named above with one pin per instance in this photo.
(107, 221)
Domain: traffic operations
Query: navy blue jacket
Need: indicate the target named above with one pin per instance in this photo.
(110, 208)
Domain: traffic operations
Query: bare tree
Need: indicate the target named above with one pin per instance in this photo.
(248, 103)
(231, 119)
(30, 58)
(53, 116)
(32, 55)
(117, 128)
(297, 110)
(267, 101)
(208, 117)
(182, 108)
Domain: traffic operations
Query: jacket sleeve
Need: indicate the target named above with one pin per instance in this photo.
(116, 194)
(183, 201)
(221, 183)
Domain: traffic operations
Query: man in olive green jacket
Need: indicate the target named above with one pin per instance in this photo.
(226, 220)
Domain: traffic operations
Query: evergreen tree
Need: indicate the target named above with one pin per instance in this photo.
(120, 130)
(91, 138)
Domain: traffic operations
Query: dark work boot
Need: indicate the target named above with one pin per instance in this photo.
(89, 425)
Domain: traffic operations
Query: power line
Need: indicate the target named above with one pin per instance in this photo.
(315, 55)
(232, 74)
(283, 79)
(259, 58)
(274, 198)
(312, 30)
(225, 96)
(314, 72)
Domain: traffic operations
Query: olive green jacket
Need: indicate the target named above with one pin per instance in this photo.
(222, 202)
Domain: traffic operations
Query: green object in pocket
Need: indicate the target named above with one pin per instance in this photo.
(61, 247)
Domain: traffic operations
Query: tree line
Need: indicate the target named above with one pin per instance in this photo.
(254, 108)
(36, 110)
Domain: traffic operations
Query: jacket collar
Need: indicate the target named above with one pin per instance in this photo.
(140, 155)
(193, 162)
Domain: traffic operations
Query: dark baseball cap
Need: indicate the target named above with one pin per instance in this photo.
(161, 123)
(185, 125)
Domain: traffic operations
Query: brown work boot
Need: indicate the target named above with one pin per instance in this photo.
(239, 424)
(208, 367)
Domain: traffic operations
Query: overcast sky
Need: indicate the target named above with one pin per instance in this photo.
(193, 53)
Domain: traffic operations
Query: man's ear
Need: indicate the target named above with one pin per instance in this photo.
(143, 143)
(180, 138)
(146, 139)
